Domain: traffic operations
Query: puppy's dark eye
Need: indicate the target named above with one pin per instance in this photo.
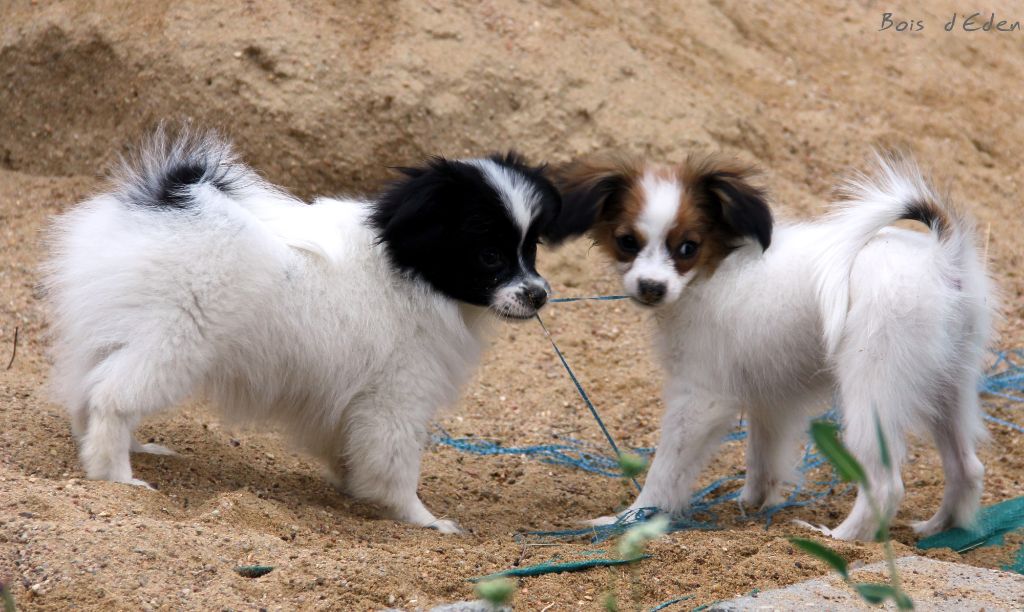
(628, 243)
(688, 249)
(491, 258)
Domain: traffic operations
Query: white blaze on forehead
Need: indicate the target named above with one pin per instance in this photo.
(514, 189)
(661, 197)
(661, 203)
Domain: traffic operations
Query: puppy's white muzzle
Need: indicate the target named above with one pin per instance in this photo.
(521, 298)
(652, 280)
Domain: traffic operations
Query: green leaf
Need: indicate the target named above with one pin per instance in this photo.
(826, 437)
(903, 601)
(633, 543)
(496, 591)
(878, 593)
(632, 465)
(883, 445)
(610, 603)
(824, 553)
(875, 593)
(254, 571)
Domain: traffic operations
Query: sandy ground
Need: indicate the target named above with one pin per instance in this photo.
(322, 98)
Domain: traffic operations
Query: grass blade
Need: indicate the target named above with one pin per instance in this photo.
(883, 445)
(826, 437)
(824, 553)
(8, 599)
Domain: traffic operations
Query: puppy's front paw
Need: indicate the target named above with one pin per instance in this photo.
(135, 482)
(601, 521)
(153, 449)
(444, 526)
(756, 498)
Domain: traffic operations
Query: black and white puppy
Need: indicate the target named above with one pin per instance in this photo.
(346, 323)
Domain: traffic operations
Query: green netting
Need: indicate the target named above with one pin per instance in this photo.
(994, 522)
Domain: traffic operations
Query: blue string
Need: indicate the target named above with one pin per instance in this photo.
(600, 298)
(998, 421)
(670, 602)
(571, 454)
(583, 394)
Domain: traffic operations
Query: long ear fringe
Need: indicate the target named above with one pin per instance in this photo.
(742, 205)
(589, 189)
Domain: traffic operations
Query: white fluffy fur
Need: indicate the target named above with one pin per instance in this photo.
(279, 312)
(888, 321)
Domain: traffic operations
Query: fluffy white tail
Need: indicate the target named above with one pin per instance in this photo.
(894, 189)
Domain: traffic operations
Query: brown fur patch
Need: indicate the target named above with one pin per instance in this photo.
(613, 181)
(699, 210)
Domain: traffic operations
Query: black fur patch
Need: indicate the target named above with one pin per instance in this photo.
(741, 206)
(929, 214)
(173, 185)
(585, 201)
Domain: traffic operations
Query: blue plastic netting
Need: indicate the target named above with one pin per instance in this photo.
(1004, 379)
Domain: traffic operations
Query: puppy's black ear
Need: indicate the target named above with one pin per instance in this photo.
(409, 215)
(729, 198)
(592, 191)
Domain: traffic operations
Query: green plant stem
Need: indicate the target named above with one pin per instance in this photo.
(890, 556)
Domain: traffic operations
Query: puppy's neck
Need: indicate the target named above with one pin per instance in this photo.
(478, 319)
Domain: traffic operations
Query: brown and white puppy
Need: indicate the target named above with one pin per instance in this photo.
(890, 321)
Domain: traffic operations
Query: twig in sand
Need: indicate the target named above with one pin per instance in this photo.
(14, 351)
(988, 234)
(522, 554)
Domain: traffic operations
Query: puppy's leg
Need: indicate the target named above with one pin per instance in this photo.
(79, 420)
(692, 428)
(956, 430)
(384, 439)
(862, 399)
(105, 446)
(126, 386)
(772, 451)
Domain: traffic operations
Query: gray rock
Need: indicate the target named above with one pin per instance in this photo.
(933, 585)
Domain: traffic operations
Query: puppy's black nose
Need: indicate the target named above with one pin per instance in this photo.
(536, 296)
(651, 292)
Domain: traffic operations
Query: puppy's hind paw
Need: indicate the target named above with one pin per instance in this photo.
(819, 528)
(934, 525)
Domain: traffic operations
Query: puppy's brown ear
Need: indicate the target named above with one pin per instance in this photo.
(591, 192)
(727, 196)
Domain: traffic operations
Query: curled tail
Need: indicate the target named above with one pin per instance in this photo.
(895, 189)
(164, 172)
